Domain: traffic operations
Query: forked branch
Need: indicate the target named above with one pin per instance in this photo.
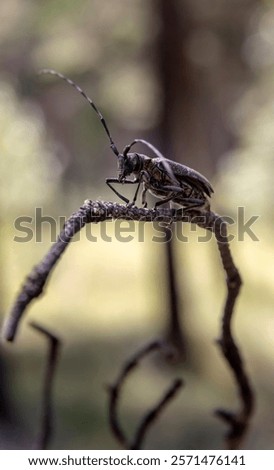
(98, 211)
(115, 395)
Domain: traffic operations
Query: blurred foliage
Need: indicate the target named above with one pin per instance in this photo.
(27, 159)
(107, 299)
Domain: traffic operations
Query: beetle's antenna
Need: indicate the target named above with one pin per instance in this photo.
(93, 105)
(145, 142)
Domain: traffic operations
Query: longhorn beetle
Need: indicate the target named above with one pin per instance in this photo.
(165, 179)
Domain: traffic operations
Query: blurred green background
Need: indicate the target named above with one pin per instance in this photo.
(197, 80)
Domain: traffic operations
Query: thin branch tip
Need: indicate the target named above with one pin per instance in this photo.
(47, 417)
(44, 331)
(151, 415)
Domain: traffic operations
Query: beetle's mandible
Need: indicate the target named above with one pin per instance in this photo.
(165, 179)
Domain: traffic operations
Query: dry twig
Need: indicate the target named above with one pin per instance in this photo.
(46, 427)
(238, 421)
(97, 211)
(90, 212)
(115, 394)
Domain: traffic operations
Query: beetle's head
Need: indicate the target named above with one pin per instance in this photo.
(128, 164)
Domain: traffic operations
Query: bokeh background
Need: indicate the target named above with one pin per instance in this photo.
(196, 78)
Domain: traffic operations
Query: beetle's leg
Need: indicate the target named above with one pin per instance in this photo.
(143, 175)
(136, 192)
(186, 202)
(144, 191)
(163, 201)
(194, 203)
(174, 189)
(199, 204)
(115, 180)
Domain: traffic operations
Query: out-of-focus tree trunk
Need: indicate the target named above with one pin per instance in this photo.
(192, 49)
(167, 51)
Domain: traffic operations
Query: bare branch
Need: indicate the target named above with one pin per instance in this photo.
(90, 212)
(238, 421)
(46, 428)
(116, 390)
(97, 211)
